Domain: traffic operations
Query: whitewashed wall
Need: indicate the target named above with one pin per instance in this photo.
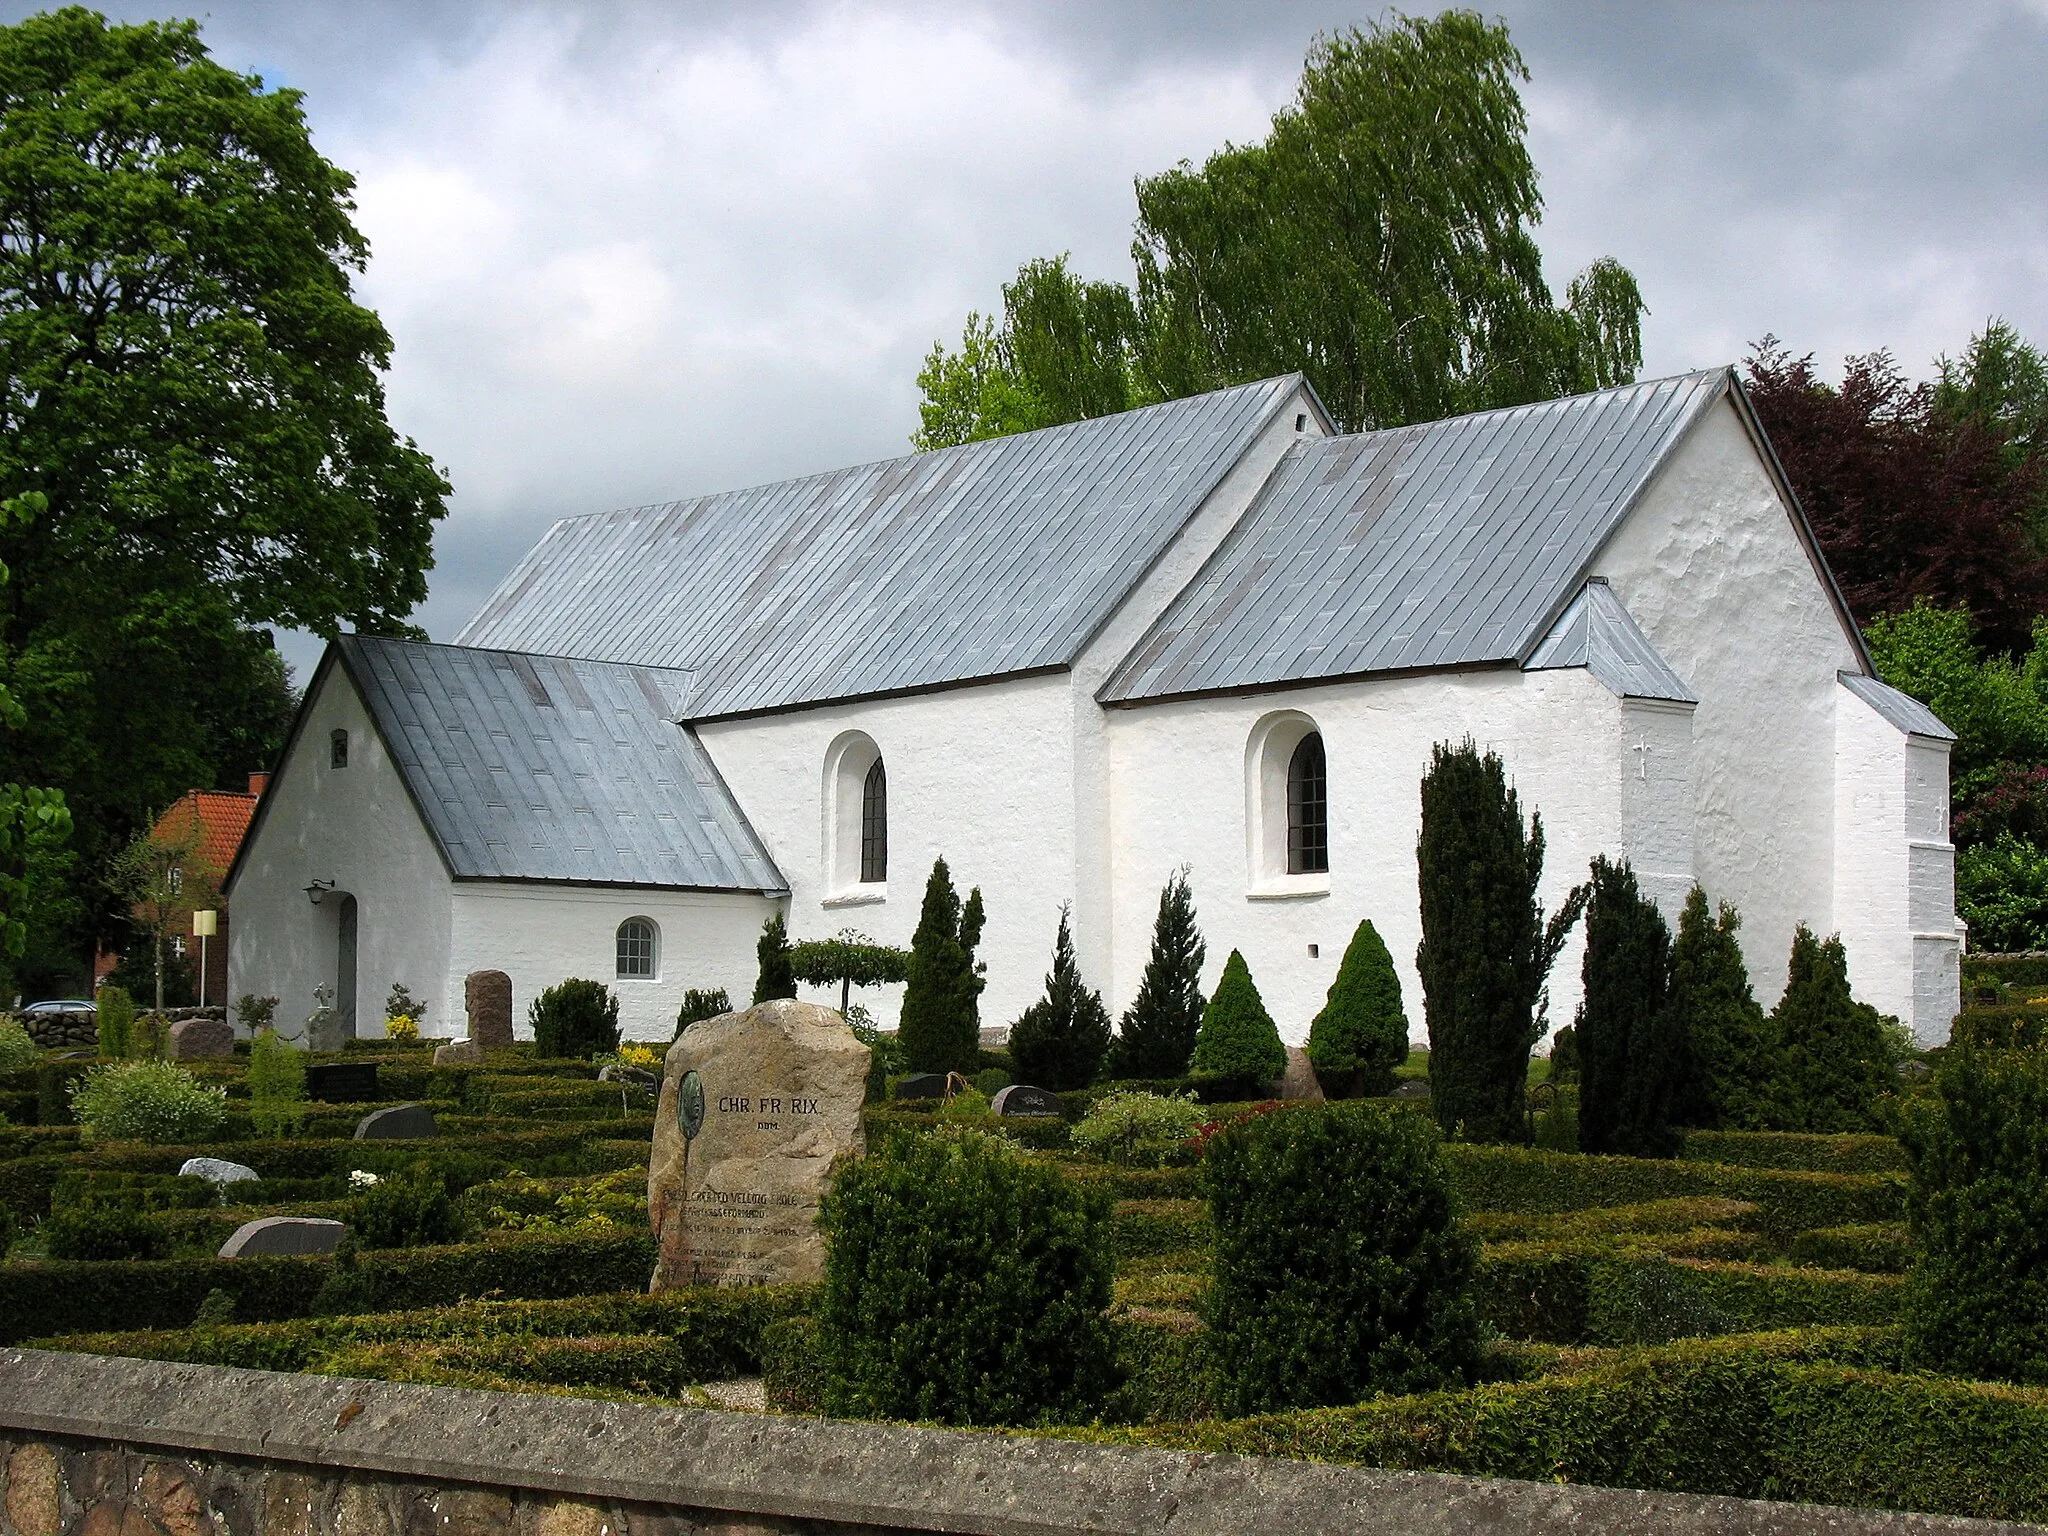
(1710, 567)
(1179, 797)
(541, 934)
(982, 777)
(357, 827)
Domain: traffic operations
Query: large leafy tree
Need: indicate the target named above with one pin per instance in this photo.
(1379, 239)
(192, 388)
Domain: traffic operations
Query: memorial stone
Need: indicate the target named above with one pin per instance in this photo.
(196, 1039)
(920, 1085)
(1023, 1099)
(488, 997)
(283, 1236)
(459, 1053)
(755, 1109)
(342, 1082)
(217, 1170)
(401, 1122)
(1413, 1088)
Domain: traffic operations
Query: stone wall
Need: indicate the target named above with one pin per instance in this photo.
(92, 1446)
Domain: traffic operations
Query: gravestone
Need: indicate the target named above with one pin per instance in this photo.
(488, 997)
(618, 1072)
(459, 1053)
(1023, 1099)
(283, 1236)
(195, 1039)
(1411, 1088)
(342, 1082)
(1299, 1081)
(755, 1108)
(216, 1170)
(920, 1085)
(401, 1122)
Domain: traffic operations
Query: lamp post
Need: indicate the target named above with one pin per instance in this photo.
(204, 926)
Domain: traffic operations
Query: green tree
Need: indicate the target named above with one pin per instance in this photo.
(195, 393)
(1156, 1036)
(1834, 1058)
(1631, 1061)
(1060, 1040)
(277, 1084)
(1238, 1050)
(1362, 1033)
(2000, 385)
(32, 821)
(1486, 948)
(777, 977)
(850, 958)
(941, 1023)
(1728, 1039)
(160, 878)
(1379, 239)
(575, 1018)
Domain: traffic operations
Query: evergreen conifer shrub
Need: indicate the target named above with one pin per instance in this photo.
(575, 1018)
(1361, 1035)
(1630, 1060)
(1977, 1295)
(277, 1085)
(940, 1028)
(964, 1283)
(1728, 1039)
(700, 1004)
(1060, 1040)
(777, 977)
(1238, 1051)
(1341, 1270)
(1156, 1037)
(1486, 948)
(1833, 1057)
(114, 1018)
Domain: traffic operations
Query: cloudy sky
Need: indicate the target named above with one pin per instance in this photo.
(630, 253)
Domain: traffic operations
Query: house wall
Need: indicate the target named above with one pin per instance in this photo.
(540, 934)
(1180, 795)
(357, 827)
(1710, 567)
(982, 777)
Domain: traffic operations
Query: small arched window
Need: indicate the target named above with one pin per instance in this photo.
(1308, 808)
(874, 825)
(337, 749)
(637, 939)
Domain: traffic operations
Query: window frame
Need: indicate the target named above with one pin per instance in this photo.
(652, 942)
(1308, 807)
(874, 823)
(337, 747)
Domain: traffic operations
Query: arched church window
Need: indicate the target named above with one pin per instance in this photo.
(1308, 808)
(337, 749)
(874, 825)
(637, 939)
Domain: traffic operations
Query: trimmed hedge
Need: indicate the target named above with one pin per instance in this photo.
(2024, 970)
(1882, 1248)
(1684, 1214)
(39, 1300)
(2006, 1027)
(1141, 1229)
(1748, 1418)
(1845, 1152)
(1526, 1180)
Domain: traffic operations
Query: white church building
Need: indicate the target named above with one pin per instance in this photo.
(1208, 633)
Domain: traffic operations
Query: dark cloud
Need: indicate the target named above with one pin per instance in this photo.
(630, 252)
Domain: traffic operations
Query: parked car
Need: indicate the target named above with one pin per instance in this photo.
(61, 1005)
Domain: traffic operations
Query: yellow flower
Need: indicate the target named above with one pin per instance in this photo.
(402, 1028)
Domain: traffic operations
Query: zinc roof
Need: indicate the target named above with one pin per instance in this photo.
(540, 768)
(1443, 544)
(985, 560)
(1596, 633)
(1903, 710)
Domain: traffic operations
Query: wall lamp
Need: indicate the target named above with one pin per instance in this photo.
(318, 889)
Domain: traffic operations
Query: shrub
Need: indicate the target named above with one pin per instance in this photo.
(1564, 1056)
(103, 1229)
(964, 1283)
(1833, 1052)
(1361, 1035)
(256, 1014)
(277, 1085)
(575, 1018)
(8, 1230)
(17, 1050)
(792, 1374)
(1879, 1248)
(1340, 1266)
(940, 1028)
(1978, 1209)
(1137, 1130)
(701, 1004)
(1239, 1050)
(151, 1101)
(776, 978)
(2002, 892)
(115, 1020)
(1557, 1126)
(1486, 948)
(1729, 1045)
(1156, 1037)
(405, 1210)
(1630, 1058)
(1060, 1040)
(401, 1026)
